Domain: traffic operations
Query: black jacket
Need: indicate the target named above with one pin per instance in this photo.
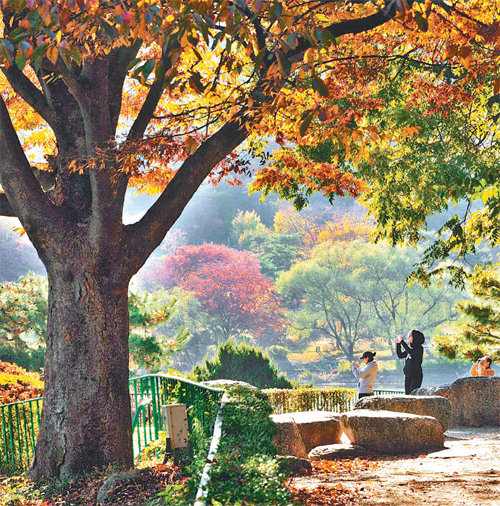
(413, 355)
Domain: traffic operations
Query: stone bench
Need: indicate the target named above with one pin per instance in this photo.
(391, 432)
(298, 433)
(475, 401)
(429, 405)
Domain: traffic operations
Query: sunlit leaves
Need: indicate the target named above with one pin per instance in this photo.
(281, 62)
(478, 331)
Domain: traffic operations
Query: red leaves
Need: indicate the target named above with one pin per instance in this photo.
(227, 282)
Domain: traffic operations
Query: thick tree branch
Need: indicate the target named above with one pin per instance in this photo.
(141, 238)
(29, 92)
(5, 207)
(26, 197)
(260, 32)
(350, 26)
(149, 106)
(120, 59)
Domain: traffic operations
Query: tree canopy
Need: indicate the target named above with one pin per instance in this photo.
(477, 333)
(23, 323)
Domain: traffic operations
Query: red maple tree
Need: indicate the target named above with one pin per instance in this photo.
(235, 296)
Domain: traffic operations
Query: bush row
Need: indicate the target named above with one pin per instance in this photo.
(311, 399)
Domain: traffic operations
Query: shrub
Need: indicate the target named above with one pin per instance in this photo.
(29, 359)
(245, 470)
(311, 399)
(243, 363)
(17, 384)
(20, 421)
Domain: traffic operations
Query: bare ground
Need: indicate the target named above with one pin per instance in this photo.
(465, 472)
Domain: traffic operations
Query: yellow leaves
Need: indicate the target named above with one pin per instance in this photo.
(52, 54)
(287, 17)
(310, 56)
(191, 145)
(19, 230)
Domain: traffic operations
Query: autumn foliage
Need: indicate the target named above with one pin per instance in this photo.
(229, 285)
(98, 96)
(187, 50)
(17, 384)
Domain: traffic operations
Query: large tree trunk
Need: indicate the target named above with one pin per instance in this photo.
(86, 418)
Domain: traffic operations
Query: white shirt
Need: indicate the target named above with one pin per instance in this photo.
(366, 377)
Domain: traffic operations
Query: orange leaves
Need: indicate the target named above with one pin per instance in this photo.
(325, 495)
(52, 54)
(310, 56)
(290, 175)
(219, 60)
(407, 132)
(17, 384)
(344, 466)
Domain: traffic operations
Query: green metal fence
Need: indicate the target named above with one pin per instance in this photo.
(19, 421)
(149, 393)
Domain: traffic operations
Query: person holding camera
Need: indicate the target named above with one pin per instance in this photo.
(482, 367)
(366, 376)
(413, 352)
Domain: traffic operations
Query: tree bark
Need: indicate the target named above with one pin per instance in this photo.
(86, 416)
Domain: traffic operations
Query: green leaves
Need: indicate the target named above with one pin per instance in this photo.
(320, 86)
(421, 21)
(477, 332)
(306, 119)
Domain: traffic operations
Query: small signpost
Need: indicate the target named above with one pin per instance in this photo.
(174, 418)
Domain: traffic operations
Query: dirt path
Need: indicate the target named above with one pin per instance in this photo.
(466, 472)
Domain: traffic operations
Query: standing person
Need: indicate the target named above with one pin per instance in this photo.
(366, 376)
(413, 352)
(482, 367)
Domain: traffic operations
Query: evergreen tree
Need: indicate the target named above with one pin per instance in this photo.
(478, 332)
(243, 363)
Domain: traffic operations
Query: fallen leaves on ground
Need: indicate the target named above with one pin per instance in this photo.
(334, 493)
(344, 466)
(323, 495)
(83, 491)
